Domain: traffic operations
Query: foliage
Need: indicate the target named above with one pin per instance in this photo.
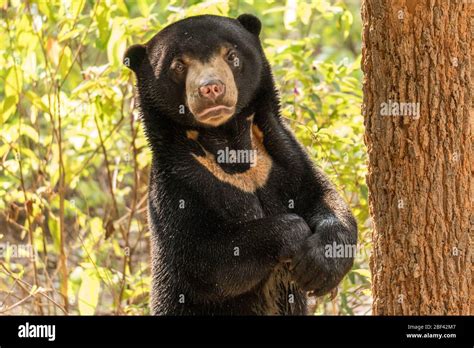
(74, 161)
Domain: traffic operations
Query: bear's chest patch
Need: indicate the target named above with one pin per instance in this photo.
(248, 181)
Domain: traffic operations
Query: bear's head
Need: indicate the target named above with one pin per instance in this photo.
(200, 71)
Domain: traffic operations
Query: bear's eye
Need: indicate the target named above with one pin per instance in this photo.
(178, 66)
(232, 56)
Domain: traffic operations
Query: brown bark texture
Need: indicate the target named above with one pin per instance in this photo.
(419, 53)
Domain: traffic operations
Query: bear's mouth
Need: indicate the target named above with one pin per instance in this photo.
(215, 112)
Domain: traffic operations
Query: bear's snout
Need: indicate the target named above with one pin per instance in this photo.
(212, 89)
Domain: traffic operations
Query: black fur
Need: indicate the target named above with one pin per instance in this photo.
(195, 270)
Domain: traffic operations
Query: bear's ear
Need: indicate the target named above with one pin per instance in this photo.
(251, 23)
(134, 56)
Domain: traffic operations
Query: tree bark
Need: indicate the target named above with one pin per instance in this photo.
(419, 179)
(472, 163)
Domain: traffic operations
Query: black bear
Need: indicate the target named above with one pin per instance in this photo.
(240, 218)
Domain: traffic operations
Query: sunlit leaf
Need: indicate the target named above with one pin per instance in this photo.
(88, 295)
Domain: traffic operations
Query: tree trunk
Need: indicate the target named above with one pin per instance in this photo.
(472, 163)
(417, 100)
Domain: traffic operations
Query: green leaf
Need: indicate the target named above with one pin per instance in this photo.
(30, 132)
(144, 7)
(8, 106)
(117, 43)
(13, 82)
(70, 34)
(36, 101)
(88, 295)
(66, 62)
(346, 23)
(102, 18)
(362, 272)
(53, 224)
(304, 12)
(76, 7)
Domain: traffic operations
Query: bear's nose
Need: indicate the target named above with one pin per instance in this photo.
(212, 89)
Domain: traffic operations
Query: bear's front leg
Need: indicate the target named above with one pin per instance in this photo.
(324, 258)
(219, 274)
(328, 254)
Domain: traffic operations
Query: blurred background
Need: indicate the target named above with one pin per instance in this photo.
(74, 161)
